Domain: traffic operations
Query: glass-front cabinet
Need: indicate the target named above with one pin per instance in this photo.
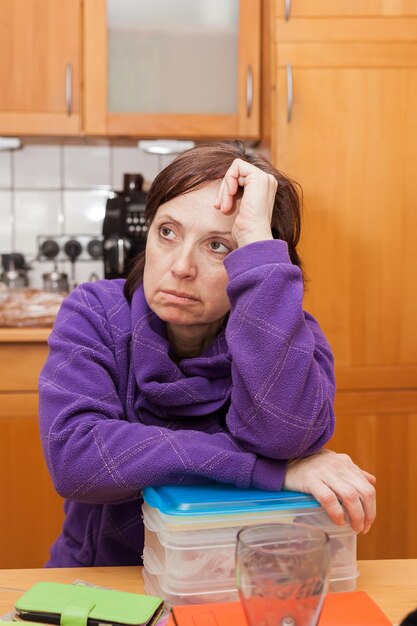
(189, 68)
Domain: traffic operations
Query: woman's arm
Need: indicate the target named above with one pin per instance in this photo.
(93, 453)
(282, 366)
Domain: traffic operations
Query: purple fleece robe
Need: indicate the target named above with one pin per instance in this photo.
(117, 413)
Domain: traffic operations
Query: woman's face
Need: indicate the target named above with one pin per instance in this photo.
(184, 277)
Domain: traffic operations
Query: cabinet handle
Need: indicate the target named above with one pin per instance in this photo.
(290, 92)
(68, 88)
(249, 91)
(120, 256)
(287, 9)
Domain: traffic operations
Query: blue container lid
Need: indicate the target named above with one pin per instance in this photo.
(223, 499)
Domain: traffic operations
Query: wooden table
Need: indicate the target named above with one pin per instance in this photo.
(392, 584)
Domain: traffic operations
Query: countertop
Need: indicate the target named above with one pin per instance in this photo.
(24, 335)
(391, 584)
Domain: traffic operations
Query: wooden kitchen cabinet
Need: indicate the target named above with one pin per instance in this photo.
(139, 69)
(292, 9)
(352, 143)
(378, 429)
(343, 123)
(40, 52)
(32, 512)
(187, 71)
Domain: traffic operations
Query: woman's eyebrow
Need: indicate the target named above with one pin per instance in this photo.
(167, 217)
(219, 232)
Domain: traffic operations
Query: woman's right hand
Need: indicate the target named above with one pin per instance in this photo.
(334, 480)
(254, 209)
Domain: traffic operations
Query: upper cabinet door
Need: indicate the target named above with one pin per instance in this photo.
(172, 69)
(40, 67)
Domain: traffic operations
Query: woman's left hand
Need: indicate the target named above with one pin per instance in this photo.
(334, 480)
(254, 210)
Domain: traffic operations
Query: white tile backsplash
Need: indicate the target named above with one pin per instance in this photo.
(35, 274)
(5, 170)
(63, 189)
(131, 160)
(86, 166)
(83, 271)
(36, 213)
(37, 167)
(84, 211)
(5, 221)
(166, 159)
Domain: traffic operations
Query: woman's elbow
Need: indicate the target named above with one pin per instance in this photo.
(64, 480)
(287, 439)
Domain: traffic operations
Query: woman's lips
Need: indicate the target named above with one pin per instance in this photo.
(179, 296)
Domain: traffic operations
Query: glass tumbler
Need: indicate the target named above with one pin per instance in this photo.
(282, 573)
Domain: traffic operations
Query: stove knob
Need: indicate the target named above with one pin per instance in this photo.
(49, 249)
(95, 248)
(73, 249)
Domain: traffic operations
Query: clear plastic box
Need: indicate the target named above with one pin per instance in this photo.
(190, 538)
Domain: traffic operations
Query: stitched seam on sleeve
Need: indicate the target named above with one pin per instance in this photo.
(267, 272)
(276, 332)
(107, 460)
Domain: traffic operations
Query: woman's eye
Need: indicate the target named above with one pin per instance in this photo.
(218, 246)
(166, 232)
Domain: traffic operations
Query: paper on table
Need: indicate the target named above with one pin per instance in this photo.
(353, 608)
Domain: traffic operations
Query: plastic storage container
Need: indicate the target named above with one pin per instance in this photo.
(190, 538)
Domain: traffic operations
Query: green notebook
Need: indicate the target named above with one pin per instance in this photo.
(78, 605)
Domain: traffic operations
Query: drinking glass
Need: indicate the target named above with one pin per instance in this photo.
(282, 573)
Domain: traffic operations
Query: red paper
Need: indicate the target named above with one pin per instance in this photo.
(353, 608)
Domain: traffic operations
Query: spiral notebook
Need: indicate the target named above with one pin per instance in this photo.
(353, 608)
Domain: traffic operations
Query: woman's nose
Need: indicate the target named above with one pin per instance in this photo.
(184, 265)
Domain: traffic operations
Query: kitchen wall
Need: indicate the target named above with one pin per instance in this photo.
(62, 189)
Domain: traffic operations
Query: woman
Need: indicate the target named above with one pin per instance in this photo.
(201, 367)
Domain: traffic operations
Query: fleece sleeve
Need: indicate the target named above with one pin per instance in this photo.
(93, 453)
(282, 366)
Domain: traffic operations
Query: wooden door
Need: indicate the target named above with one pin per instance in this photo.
(244, 122)
(344, 125)
(378, 429)
(40, 67)
(32, 512)
(352, 143)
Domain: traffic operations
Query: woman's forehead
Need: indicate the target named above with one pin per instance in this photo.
(196, 208)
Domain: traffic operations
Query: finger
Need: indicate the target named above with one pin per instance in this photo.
(361, 472)
(235, 177)
(364, 483)
(219, 195)
(350, 500)
(230, 188)
(370, 477)
(328, 500)
(368, 497)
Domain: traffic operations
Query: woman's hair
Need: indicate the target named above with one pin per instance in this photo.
(204, 163)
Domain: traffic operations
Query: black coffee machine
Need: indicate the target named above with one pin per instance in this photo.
(124, 227)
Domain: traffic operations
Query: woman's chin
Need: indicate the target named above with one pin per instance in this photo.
(182, 321)
(178, 318)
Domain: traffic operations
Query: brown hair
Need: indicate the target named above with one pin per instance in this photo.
(208, 162)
